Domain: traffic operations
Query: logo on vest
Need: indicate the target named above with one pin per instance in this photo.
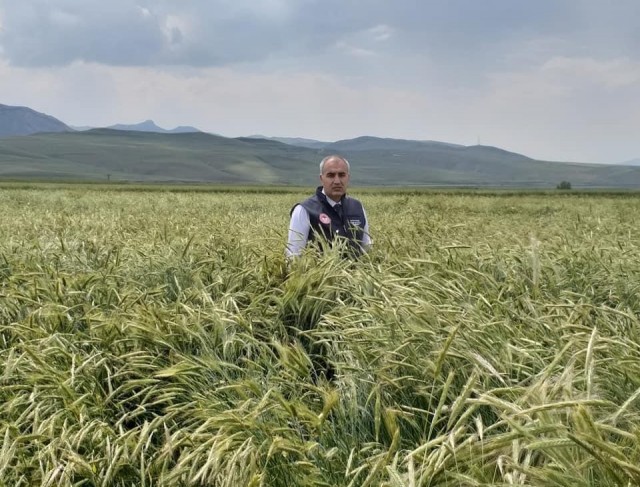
(355, 222)
(324, 218)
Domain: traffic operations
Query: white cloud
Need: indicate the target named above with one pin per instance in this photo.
(271, 9)
(381, 32)
(364, 43)
(1, 29)
(355, 51)
(64, 20)
(223, 101)
(579, 109)
(218, 100)
(608, 74)
(176, 29)
(145, 11)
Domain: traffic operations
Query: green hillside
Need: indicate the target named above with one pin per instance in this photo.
(103, 154)
(409, 162)
(141, 156)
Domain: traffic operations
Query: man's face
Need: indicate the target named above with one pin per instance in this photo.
(335, 178)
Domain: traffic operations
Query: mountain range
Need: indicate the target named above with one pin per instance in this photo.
(150, 126)
(37, 146)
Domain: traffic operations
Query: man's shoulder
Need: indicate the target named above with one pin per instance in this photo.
(353, 201)
(307, 204)
(313, 197)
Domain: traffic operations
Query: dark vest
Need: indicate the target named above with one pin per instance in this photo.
(327, 224)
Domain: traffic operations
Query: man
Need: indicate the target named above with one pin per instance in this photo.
(329, 214)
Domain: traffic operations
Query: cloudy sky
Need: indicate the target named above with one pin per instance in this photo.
(551, 79)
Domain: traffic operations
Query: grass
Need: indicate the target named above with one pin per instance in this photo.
(159, 338)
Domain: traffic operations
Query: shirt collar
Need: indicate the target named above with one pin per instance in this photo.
(331, 202)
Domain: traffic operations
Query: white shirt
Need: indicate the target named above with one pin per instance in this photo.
(300, 225)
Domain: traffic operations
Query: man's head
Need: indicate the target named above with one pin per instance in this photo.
(334, 175)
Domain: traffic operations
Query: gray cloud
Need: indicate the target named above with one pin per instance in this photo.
(43, 33)
(219, 32)
(199, 33)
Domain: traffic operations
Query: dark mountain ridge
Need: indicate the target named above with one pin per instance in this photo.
(25, 121)
(150, 126)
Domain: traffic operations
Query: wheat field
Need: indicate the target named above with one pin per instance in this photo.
(160, 338)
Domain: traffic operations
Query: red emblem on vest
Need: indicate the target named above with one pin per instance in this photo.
(324, 218)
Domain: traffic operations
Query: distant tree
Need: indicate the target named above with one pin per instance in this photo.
(564, 185)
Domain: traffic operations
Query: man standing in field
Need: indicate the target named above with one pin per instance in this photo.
(329, 214)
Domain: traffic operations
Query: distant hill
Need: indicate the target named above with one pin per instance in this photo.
(387, 144)
(25, 121)
(150, 126)
(101, 154)
(632, 162)
(300, 142)
(431, 162)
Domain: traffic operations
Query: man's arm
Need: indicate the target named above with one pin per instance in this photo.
(298, 231)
